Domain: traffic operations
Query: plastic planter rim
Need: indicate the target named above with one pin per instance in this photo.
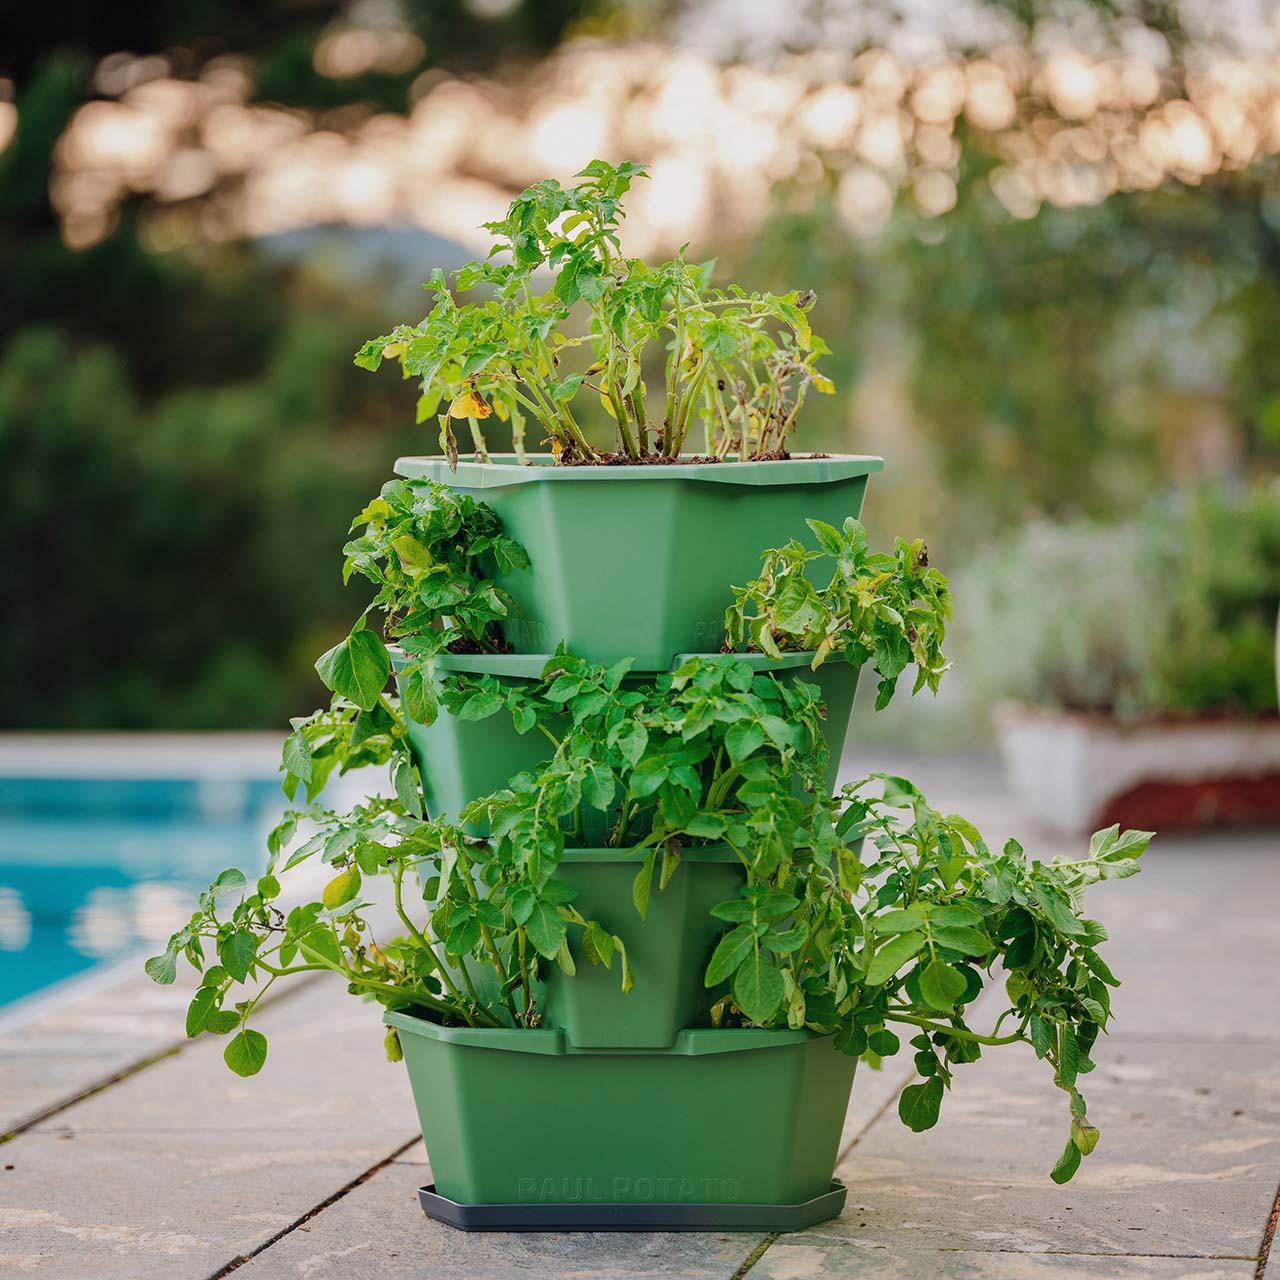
(692, 1042)
(532, 665)
(539, 469)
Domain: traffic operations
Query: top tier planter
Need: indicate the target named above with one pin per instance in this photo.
(637, 561)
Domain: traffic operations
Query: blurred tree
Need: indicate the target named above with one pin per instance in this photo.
(183, 435)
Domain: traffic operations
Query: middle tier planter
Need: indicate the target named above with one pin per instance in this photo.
(635, 561)
(668, 950)
(460, 760)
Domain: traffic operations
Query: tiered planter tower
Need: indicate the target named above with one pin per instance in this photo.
(640, 1100)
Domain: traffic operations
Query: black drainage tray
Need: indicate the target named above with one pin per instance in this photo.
(632, 1217)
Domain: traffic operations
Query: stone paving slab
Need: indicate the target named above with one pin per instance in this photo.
(1187, 1165)
(804, 1257)
(182, 1167)
(78, 1045)
(326, 1071)
(1195, 940)
(378, 1230)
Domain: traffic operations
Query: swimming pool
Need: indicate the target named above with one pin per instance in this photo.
(96, 869)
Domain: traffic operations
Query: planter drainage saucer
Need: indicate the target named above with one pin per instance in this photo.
(587, 1216)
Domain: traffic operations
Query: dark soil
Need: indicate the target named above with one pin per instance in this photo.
(661, 460)
(470, 646)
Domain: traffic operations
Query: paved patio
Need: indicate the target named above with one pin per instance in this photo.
(133, 1153)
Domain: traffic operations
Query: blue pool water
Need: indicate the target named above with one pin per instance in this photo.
(95, 870)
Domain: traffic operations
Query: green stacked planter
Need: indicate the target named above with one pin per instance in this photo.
(647, 1116)
(638, 561)
(462, 759)
(721, 1121)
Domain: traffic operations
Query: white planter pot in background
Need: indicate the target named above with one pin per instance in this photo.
(1070, 769)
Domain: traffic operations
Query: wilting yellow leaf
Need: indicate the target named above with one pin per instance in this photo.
(823, 384)
(469, 405)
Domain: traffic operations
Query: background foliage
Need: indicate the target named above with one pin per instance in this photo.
(185, 440)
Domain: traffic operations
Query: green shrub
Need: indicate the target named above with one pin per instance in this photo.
(1173, 610)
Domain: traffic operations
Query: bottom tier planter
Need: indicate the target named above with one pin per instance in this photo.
(727, 1129)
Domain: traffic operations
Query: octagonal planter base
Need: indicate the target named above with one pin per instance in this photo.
(637, 561)
(572, 1216)
(726, 1118)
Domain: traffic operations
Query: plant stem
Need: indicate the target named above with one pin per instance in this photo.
(642, 424)
(486, 936)
(482, 454)
(677, 353)
(959, 1032)
(524, 975)
(397, 879)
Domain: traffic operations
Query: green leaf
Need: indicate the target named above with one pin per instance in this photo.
(1041, 1035)
(705, 826)
(758, 988)
(597, 944)
(1068, 1056)
(907, 920)
(631, 741)
(482, 704)
(1068, 1163)
(406, 785)
(743, 738)
(391, 1043)
(342, 888)
(162, 969)
(1058, 911)
(643, 882)
(598, 786)
(246, 1053)
(357, 668)
(228, 882)
(546, 929)
(236, 951)
(828, 538)
(1094, 1009)
(920, 1104)
(419, 696)
(202, 1005)
(1084, 1135)
(972, 942)
(883, 1043)
(296, 755)
(730, 951)
(892, 956)
(941, 985)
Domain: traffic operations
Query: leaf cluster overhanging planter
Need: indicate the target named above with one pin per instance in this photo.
(642, 945)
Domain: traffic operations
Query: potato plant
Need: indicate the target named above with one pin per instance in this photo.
(868, 916)
(884, 610)
(562, 315)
